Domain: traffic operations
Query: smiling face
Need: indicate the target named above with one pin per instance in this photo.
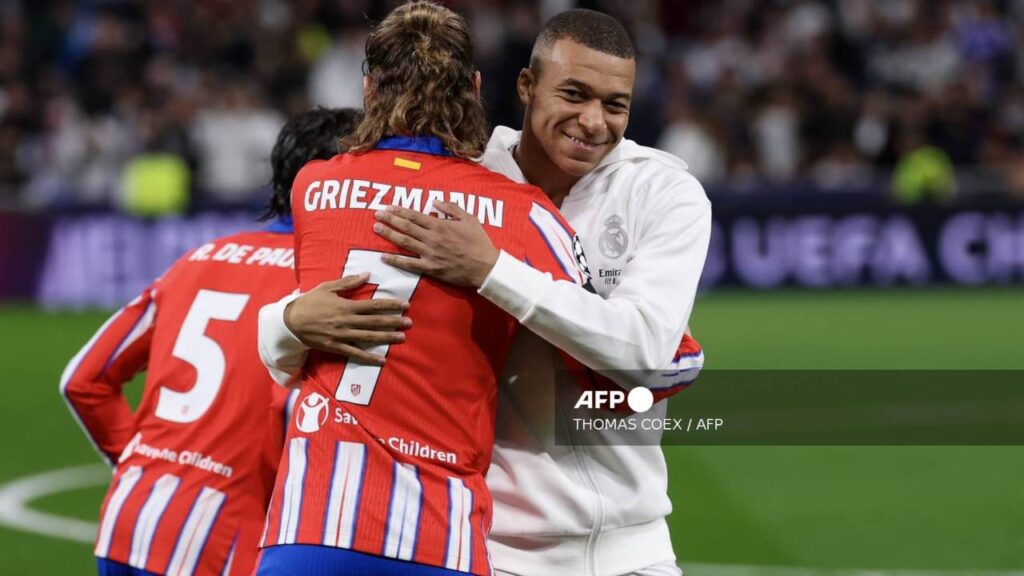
(577, 104)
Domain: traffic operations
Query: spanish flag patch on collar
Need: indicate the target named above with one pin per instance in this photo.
(410, 164)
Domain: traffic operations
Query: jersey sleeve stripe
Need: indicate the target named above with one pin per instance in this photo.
(149, 519)
(684, 372)
(666, 391)
(76, 360)
(125, 484)
(559, 241)
(344, 493)
(684, 369)
(684, 363)
(557, 220)
(71, 369)
(142, 324)
(193, 536)
(554, 252)
(403, 513)
(686, 354)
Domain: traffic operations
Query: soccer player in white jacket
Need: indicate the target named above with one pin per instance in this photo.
(593, 506)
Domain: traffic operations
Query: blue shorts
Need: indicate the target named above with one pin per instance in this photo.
(308, 560)
(110, 568)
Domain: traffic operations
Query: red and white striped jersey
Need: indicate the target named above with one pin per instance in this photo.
(390, 460)
(198, 457)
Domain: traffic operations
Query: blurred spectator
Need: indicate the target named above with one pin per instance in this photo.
(842, 168)
(336, 79)
(693, 140)
(748, 92)
(775, 129)
(234, 134)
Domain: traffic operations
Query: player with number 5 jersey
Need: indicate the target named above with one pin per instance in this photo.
(195, 463)
(383, 471)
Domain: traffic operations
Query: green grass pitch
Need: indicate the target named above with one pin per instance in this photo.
(882, 508)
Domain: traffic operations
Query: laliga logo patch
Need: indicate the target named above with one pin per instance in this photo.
(312, 413)
(614, 240)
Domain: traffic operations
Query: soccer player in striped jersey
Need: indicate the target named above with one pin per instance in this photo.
(645, 223)
(198, 457)
(384, 464)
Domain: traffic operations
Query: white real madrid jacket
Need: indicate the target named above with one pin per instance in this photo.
(565, 501)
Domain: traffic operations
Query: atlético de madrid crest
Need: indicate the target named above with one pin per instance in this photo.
(613, 241)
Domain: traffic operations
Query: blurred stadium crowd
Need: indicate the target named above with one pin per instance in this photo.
(101, 99)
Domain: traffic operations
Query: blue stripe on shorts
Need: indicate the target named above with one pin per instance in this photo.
(309, 560)
(110, 568)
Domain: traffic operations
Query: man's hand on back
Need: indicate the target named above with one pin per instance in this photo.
(457, 251)
(324, 320)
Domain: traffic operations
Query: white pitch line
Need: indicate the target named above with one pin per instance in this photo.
(17, 495)
(693, 569)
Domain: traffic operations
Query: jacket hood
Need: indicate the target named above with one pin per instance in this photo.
(504, 138)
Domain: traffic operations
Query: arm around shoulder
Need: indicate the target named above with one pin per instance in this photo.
(281, 351)
(640, 324)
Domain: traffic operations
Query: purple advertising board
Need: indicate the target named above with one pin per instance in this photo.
(98, 260)
(104, 260)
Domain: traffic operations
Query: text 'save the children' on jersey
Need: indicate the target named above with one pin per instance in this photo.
(195, 463)
(390, 460)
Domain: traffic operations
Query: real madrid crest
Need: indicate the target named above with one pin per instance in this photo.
(614, 240)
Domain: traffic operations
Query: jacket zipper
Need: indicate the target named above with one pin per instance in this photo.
(594, 495)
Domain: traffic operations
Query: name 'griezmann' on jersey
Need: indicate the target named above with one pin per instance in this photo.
(366, 195)
(390, 460)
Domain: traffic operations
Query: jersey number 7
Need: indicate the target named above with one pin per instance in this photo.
(358, 381)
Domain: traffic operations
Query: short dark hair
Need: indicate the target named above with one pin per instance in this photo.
(592, 29)
(311, 135)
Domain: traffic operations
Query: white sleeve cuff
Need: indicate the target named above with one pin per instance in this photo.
(514, 286)
(281, 351)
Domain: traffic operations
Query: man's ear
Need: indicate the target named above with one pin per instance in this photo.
(524, 86)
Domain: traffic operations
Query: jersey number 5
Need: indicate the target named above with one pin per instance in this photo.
(358, 381)
(203, 353)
